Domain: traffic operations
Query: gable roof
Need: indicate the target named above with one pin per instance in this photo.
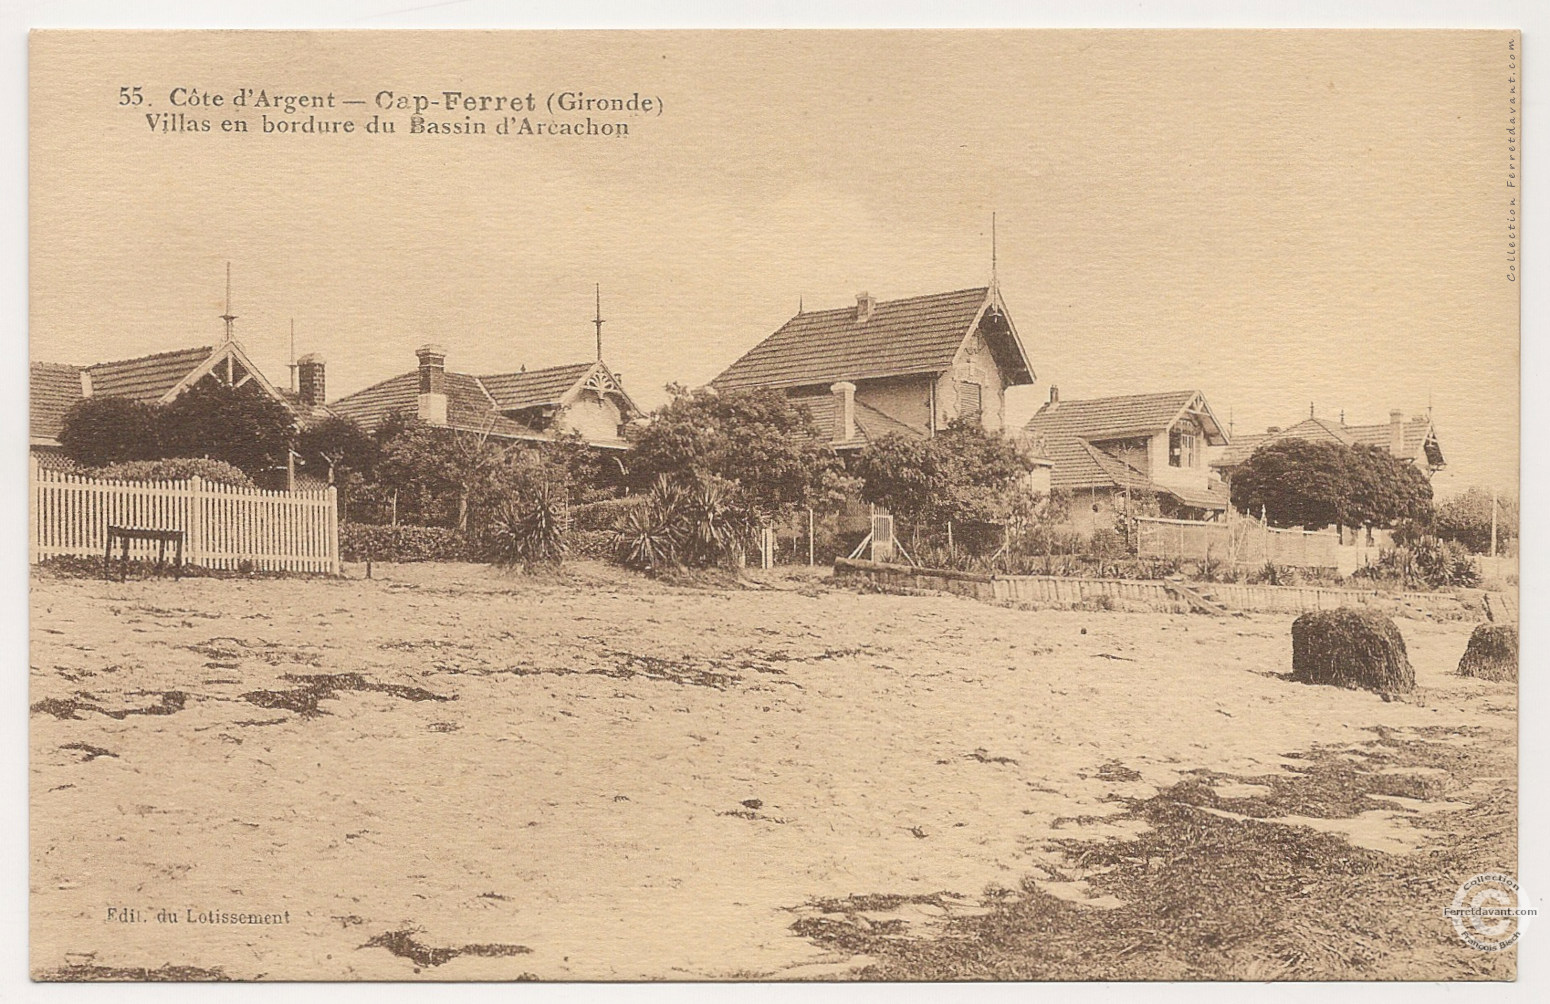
(54, 389)
(474, 403)
(1418, 435)
(152, 379)
(533, 388)
(1067, 433)
(916, 335)
(146, 378)
(1102, 418)
(469, 408)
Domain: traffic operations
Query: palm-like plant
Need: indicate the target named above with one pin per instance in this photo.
(531, 531)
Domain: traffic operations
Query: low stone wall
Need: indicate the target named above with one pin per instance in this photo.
(1155, 593)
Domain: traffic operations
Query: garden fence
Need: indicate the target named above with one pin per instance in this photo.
(223, 525)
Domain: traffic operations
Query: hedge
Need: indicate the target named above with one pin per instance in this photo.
(604, 515)
(357, 541)
(174, 469)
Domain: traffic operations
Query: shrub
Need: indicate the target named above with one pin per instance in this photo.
(1492, 653)
(1351, 648)
(1425, 562)
(597, 545)
(647, 540)
(1444, 563)
(359, 541)
(107, 430)
(693, 525)
(174, 469)
(606, 514)
(531, 530)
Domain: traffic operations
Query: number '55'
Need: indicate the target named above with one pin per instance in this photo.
(130, 96)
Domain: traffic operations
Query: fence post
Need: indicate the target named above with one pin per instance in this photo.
(331, 522)
(34, 509)
(196, 528)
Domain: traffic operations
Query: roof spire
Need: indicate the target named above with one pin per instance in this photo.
(993, 281)
(228, 317)
(293, 353)
(597, 318)
(1310, 409)
(799, 303)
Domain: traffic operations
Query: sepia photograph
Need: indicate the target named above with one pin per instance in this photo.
(773, 505)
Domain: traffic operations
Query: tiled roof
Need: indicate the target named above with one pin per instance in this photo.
(1240, 448)
(871, 424)
(306, 414)
(147, 378)
(533, 388)
(1067, 431)
(920, 334)
(1417, 432)
(468, 407)
(1110, 417)
(55, 388)
(1215, 495)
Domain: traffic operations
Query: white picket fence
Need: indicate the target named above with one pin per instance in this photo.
(224, 525)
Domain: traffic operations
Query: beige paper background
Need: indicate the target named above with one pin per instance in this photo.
(1275, 218)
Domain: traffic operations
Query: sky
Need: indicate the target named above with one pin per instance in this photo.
(1282, 220)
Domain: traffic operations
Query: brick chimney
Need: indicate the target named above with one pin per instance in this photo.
(1054, 395)
(865, 304)
(309, 379)
(433, 384)
(844, 411)
(1396, 432)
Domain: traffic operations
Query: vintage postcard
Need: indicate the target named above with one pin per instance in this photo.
(774, 505)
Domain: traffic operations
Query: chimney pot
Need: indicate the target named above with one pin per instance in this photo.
(1396, 432)
(310, 386)
(1054, 394)
(865, 304)
(844, 411)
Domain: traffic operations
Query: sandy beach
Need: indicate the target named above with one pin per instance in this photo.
(449, 772)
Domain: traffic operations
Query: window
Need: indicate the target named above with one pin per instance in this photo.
(1181, 449)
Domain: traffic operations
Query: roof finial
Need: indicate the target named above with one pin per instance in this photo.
(228, 317)
(993, 250)
(1310, 409)
(293, 353)
(799, 304)
(597, 318)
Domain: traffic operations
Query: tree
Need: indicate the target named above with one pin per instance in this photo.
(340, 448)
(963, 474)
(1466, 518)
(241, 425)
(109, 430)
(760, 443)
(437, 473)
(1314, 484)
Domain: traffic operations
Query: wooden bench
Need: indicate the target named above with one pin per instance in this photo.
(124, 534)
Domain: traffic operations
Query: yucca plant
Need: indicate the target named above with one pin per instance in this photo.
(647, 539)
(714, 531)
(531, 531)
